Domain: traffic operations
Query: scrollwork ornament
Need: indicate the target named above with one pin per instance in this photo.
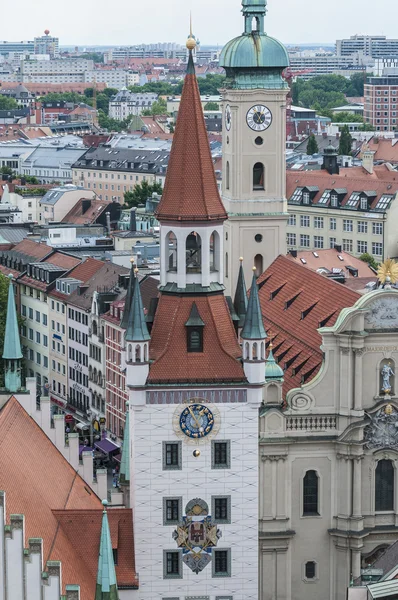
(301, 402)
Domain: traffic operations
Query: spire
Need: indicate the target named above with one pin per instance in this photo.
(240, 300)
(125, 462)
(253, 328)
(129, 297)
(137, 330)
(190, 192)
(106, 588)
(12, 344)
(273, 372)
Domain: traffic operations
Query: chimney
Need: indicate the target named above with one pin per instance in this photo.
(337, 247)
(86, 203)
(293, 253)
(108, 223)
(133, 221)
(367, 161)
(324, 135)
(338, 135)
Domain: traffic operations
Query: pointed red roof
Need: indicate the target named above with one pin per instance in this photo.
(190, 192)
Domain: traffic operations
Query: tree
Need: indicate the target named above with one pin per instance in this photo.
(368, 258)
(312, 146)
(345, 144)
(346, 117)
(141, 192)
(7, 103)
(212, 106)
(366, 127)
(159, 107)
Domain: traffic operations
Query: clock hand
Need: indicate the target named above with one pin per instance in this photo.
(194, 417)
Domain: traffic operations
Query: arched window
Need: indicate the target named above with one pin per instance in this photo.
(214, 251)
(255, 354)
(384, 485)
(130, 353)
(258, 176)
(95, 375)
(146, 353)
(310, 569)
(247, 351)
(137, 354)
(90, 372)
(262, 350)
(99, 378)
(255, 24)
(171, 251)
(193, 253)
(258, 263)
(310, 493)
(94, 328)
(227, 176)
(195, 339)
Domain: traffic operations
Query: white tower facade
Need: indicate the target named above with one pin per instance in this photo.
(254, 135)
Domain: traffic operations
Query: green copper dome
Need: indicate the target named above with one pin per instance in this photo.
(254, 59)
(254, 50)
(273, 372)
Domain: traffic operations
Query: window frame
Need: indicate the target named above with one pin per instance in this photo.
(227, 464)
(227, 519)
(167, 575)
(167, 467)
(226, 573)
(166, 499)
(377, 487)
(310, 514)
(314, 579)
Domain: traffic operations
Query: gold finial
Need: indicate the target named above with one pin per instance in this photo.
(132, 260)
(254, 269)
(191, 42)
(388, 409)
(136, 270)
(241, 259)
(388, 271)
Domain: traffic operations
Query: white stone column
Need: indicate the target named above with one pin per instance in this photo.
(181, 258)
(281, 488)
(358, 352)
(357, 487)
(205, 236)
(355, 563)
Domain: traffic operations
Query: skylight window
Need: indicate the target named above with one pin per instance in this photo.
(325, 197)
(297, 196)
(353, 199)
(384, 202)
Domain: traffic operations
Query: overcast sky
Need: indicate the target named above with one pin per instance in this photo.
(125, 22)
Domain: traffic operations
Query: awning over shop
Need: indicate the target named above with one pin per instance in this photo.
(106, 446)
(84, 449)
(82, 426)
(118, 458)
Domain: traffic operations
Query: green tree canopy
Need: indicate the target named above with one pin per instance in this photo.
(345, 143)
(312, 146)
(158, 108)
(7, 103)
(64, 97)
(346, 117)
(141, 192)
(369, 258)
(212, 106)
(326, 91)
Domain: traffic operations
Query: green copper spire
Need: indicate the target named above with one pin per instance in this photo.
(129, 297)
(253, 328)
(106, 575)
(273, 371)
(12, 353)
(137, 330)
(125, 463)
(240, 300)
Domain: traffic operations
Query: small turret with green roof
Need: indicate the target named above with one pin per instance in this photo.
(106, 588)
(254, 59)
(273, 371)
(12, 353)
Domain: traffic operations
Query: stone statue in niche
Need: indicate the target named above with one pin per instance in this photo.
(386, 378)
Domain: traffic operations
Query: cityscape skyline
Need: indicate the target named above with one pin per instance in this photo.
(172, 21)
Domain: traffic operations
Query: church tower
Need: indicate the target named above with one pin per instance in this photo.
(254, 135)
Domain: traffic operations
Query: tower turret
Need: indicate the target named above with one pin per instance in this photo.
(273, 380)
(106, 588)
(129, 296)
(253, 338)
(136, 340)
(12, 353)
(240, 299)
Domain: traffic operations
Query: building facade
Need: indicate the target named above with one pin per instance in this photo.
(254, 109)
(381, 101)
(375, 46)
(127, 103)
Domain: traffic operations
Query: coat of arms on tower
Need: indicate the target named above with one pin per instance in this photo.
(196, 535)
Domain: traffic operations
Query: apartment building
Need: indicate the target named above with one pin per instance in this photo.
(65, 70)
(376, 46)
(51, 164)
(111, 172)
(47, 44)
(353, 208)
(381, 101)
(58, 201)
(113, 77)
(127, 103)
(326, 64)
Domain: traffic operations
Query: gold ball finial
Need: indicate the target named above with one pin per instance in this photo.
(136, 270)
(241, 259)
(254, 269)
(132, 260)
(388, 409)
(191, 43)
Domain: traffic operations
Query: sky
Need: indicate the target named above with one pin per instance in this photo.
(94, 22)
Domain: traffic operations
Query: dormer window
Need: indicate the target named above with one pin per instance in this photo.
(306, 198)
(195, 326)
(334, 200)
(364, 204)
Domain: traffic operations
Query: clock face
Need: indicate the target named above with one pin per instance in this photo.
(228, 117)
(259, 117)
(196, 421)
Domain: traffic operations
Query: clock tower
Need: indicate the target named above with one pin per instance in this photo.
(254, 134)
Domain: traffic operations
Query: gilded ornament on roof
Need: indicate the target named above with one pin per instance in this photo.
(388, 271)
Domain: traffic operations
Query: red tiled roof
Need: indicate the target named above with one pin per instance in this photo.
(40, 489)
(355, 179)
(46, 88)
(219, 360)
(190, 191)
(329, 259)
(77, 217)
(64, 261)
(32, 249)
(384, 149)
(83, 272)
(295, 302)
